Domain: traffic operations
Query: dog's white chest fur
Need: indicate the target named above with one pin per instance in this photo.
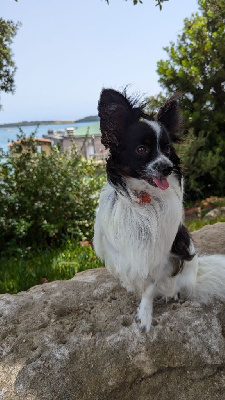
(134, 240)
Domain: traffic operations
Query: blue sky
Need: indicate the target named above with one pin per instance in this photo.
(66, 51)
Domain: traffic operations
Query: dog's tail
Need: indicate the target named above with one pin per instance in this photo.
(202, 279)
(210, 278)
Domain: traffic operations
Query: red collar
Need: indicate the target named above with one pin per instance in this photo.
(142, 197)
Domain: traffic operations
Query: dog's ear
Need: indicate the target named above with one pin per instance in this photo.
(169, 116)
(116, 113)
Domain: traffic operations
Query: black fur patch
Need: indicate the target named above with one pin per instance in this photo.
(181, 249)
(114, 177)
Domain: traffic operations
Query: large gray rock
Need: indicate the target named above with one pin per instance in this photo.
(77, 340)
(210, 239)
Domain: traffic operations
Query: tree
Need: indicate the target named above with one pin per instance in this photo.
(8, 30)
(196, 66)
(158, 2)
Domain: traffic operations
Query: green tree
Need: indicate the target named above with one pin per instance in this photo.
(153, 104)
(158, 2)
(196, 66)
(8, 30)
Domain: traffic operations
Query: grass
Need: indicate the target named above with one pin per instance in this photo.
(195, 224)
(33, 267)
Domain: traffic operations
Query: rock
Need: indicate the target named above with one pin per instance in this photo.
(212, 214)
(77, 340)
(210, 239)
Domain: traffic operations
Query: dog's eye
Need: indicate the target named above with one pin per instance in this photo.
(141, 149)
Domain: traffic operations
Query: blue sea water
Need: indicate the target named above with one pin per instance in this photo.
(10, 134)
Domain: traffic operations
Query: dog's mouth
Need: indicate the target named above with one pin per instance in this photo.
(160, 182)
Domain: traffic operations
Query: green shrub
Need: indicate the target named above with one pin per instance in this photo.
(200, 165)
(45, 199)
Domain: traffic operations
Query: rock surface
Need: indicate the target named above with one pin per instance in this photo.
(210, 239)
(77, 340)
(216, 212)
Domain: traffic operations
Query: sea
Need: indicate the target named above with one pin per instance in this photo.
(8, 135)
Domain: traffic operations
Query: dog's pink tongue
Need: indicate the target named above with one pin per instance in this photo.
(161, 183)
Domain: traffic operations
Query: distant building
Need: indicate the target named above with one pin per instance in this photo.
(70, 131)
(41, 143)
(86, 138)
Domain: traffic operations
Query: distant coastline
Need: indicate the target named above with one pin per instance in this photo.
(91, 118)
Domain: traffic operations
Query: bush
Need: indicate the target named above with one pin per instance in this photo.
(199, 165)
(45, 199)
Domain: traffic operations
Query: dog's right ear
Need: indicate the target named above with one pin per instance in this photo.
(116, 113)
(170, 117)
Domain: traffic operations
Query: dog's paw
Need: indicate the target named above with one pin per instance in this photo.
(144, 319)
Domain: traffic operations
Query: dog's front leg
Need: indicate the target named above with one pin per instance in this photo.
(144, 312)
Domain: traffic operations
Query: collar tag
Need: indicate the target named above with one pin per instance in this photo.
(142, 197)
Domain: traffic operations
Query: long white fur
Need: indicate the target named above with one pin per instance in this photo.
(134, 240)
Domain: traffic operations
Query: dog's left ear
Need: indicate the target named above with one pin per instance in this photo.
(169, 116)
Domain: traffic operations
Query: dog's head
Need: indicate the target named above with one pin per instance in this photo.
(139, 147)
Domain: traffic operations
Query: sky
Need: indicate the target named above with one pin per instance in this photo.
(67, 50)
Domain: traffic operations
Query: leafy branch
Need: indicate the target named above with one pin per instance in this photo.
(158, 2)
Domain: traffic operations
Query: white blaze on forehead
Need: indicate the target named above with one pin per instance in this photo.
(152, 167)
(155, 126)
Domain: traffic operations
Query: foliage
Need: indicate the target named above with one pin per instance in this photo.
(153, 104)
(196, 66)
(8, 30)
(44, 199)
(195, 168)
(32, 267)
(158, 2)
(195, 224)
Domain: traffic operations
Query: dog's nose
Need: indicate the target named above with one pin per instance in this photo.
(164, 169)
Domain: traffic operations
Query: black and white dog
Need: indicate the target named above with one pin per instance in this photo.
(139, 231)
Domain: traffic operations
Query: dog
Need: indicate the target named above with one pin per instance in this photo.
(139, 231)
